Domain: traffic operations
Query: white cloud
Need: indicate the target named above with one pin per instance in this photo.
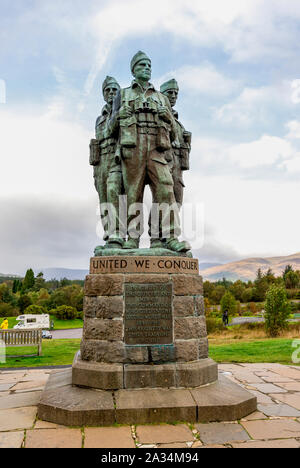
(266, 151)
(295, 97)
(294, 129)
(41, 154)
(203, 79)
(255, 105)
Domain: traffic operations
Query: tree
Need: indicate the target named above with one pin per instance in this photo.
(35, 310)
(29, 280)
(277, 310)
(260, 287)
(291, 280)
(39, 282)
(64, 312)
(23, 302)
(228, 303)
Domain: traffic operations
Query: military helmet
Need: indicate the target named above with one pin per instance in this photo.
(171, 84)
(109, 80)
(137, 58)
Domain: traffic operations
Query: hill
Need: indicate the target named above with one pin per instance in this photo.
(60, 273)
(246, 269)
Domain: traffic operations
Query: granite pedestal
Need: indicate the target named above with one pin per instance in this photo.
(144, 353)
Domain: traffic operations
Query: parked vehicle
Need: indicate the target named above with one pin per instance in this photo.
(46, 335)
(30, 321)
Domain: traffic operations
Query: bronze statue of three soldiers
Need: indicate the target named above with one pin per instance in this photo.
(140, 141)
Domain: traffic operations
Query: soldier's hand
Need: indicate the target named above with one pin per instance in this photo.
(125, 112)
(164, 113)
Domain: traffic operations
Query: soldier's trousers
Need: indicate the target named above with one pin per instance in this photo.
(145, 165)
(177, 178)
(109, 185)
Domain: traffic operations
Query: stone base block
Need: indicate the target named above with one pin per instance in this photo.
(96, 375)
(62, 403)
(117, 376)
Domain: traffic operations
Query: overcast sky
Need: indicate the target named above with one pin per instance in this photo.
(237, 64)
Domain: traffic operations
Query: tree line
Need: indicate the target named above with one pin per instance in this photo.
(34, 295)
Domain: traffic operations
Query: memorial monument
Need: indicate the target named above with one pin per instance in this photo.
(144, 353)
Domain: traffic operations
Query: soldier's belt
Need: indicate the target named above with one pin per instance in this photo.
(147, 130)
(108, 142)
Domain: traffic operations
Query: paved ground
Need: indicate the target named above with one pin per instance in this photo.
(275, 424)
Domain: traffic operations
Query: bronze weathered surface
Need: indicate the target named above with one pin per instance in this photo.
(148, 314)
(140, 141)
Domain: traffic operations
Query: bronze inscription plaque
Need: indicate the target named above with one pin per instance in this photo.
(148, 314)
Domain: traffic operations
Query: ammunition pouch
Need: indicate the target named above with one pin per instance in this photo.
(184, 159)
(128, 132)
(163, 139)
(94, 152)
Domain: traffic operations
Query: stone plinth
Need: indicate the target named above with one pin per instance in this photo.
(143, 328)
(144, 352)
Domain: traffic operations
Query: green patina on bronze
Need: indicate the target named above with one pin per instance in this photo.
(140, 141)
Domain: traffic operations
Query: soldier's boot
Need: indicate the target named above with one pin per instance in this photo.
(114, 243)
(98, 250)
(131, 243)
(177, 246)
(157, 244)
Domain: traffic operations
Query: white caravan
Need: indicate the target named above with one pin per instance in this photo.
(29, 321)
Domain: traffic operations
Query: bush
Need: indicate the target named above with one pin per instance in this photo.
(64, 312)
(214, 325)
(7, 310)
(228, 303)
(35, 310)
(277, 310)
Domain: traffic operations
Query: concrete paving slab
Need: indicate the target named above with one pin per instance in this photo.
(19, 400)
(291, 399)
(291, 386)
(54, 438)
(221, 433)
(108, 437)
(282, 443)
(269, 388)
(280, 410)
(5, 386)
(254, 416)
(261, 397)
(288, 372)
(19, 418)
(164, 434)
(273, 429)
(11, 439)
(32, 384)
(47, 425)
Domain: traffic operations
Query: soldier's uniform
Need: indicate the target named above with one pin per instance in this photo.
(181, 149)
(107, 174)
(145, 140)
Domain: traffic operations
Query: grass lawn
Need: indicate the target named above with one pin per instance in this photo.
(269, 350)
(58, 324)
(61, 352)
(55, 353)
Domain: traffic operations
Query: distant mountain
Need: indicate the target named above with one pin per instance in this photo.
(246, 269)
(204, 266)
(60, 273)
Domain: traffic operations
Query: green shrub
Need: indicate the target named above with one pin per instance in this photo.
(35, 310)
(64, 312)
(228, 303)
(7, 310)
(277, 309)
(214, 325)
